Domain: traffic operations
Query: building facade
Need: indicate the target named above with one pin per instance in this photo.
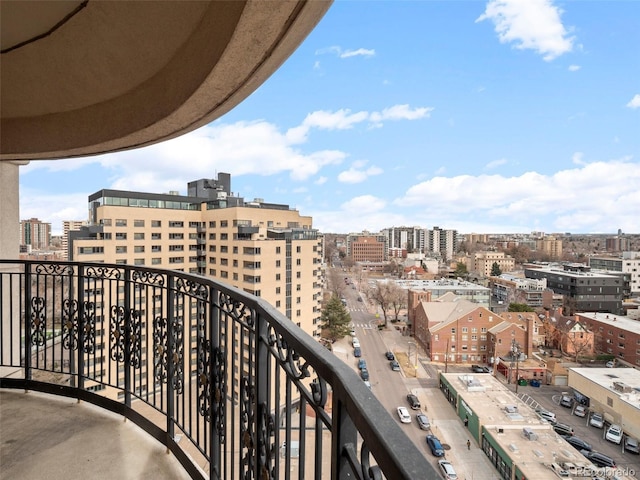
(367, 247)
(443, 242)
(268, 250)
(628, 262)
(482, 262)
(615, 335)
(584, 291)
(35, 234)
(407, 239)
(508, 289)
(551, 246)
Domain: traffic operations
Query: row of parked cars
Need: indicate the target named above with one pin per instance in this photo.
(613, 433)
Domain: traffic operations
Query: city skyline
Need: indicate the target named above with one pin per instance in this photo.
(491, 117)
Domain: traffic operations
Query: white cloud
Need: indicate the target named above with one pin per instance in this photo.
(635, 101)
(574, 68)
(530, 24)
(359, 52)
(321, 181)
(338, 51)
(593, 196)
(496, 163)
(355, 175)
(363, 205)
(576, 158)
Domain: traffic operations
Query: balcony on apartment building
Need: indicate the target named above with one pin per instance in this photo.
(213, 382)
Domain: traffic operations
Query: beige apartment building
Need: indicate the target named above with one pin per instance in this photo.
(482, 262)
(268, 250)
(551, 246)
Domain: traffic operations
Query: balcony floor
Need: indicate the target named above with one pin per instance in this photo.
(45, 436)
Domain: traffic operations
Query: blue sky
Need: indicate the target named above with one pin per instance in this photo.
(482, 116)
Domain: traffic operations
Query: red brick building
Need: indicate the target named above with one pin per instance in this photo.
(615, 335)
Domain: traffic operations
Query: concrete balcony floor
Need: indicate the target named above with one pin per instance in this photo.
(45, 436)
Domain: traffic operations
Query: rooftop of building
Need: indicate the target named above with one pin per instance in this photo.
(570, 270)
(618, 321)
(506, 417)
(622, 382)
(441, 284)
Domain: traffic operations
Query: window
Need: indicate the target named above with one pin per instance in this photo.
(121, 236)
(156, 248)
(212, 236)
(138, 261)
(277, 290)
(224, 223)
(453, 331)
(224, 249)
(155, 261)
(298, 249)
(176, 248)
(156, 223)
(277, 303)
(176, 236)
(176, 224)
(436, 337)
(176, 259)
(277, 276)
(106, 222)
(483, 330)
(138, 236)
(212, 224)
(224, 236)
(156, 236)
(138, 249)
(235, 250)
(277, 249)
(465, 330)
(213, 272)
(121, 249)
(298, 262)
(120, 222)
(212, 248)
(224, 274)
(278, 263)
(298, 313)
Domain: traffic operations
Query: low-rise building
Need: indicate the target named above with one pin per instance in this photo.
(615, 335)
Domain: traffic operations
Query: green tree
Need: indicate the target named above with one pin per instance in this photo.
(461, 270)
(520, 307)
(496, 271)
(335, 319)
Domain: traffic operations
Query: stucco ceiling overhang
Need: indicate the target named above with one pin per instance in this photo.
(88, 77)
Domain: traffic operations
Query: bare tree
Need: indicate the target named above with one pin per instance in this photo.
(335, 281)
(580, 341)
(397, 299)
(381, 295)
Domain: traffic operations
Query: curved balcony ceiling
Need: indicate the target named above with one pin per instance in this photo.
(88, 77)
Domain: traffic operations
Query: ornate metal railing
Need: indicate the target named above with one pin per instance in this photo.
(188, 358)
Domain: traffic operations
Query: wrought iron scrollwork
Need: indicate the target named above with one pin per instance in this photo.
(70, 324)
(247, 433)
(148, 278)
(192, 288)
(237, 310)
(89, 327)
(369, 472)
(103, 272)
(53, 269)
(117, 327)
(219, 391)
(266, 446)
(125, 321)
(288, 357)
(176, 354)
(38, 321)
(204, 377)
(160, 349)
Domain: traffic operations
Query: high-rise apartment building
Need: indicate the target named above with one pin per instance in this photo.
(268, 250)
(551, 246)
(367, 247)
(68, 226)
(35, 233)
(443, 242)
(406, 239)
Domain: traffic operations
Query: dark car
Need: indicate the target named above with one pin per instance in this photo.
(435, 446)
(600, 459)
(362, 363)
(631, 445)
(414, 403)
(423, 421)
(578, 443)
(477, 369)
(563, 429)
(364, 374)
(390, 356)
(357, 352)
(395, 366)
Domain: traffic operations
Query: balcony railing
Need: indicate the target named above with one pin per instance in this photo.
(232, 387)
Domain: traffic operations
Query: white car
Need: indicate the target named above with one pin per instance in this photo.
(596, 420)
(546, 415)
(355, 342)
(614, 434)
(447, 471)
(580, 411)
(403, 414)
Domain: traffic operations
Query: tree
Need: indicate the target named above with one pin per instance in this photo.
(381, 294)
(461, 270)
(336, 283)
(335, 319)
(496, 271)
(397, 299)
(520, 307)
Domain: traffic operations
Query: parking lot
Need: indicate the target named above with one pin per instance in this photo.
(548, 397)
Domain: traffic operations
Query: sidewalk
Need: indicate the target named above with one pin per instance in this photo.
(445, 424)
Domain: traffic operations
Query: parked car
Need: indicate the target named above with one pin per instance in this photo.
(355, 342)
(403, 414)
(357, 352)
(600, 459)
(610, 364)
(435, 446)
(413, 401)
(395, 366)
(390, 356)
(447, 471)
(364, 374)
(566, 401)
(534, 383)
(578, 443)
(563, 429)
(580, 411)
(631, 445)
(614, 434)
(362, 363)
(477, 369)
(353, 332)
(546, 415)
(596, 420)
(423, 421)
